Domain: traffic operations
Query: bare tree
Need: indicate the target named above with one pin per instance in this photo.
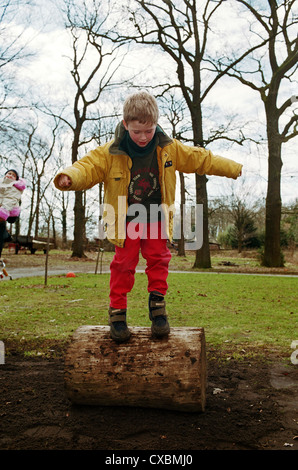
(274, 26)
(94, 65)
(14, 51)
(37, 156)
(181, 30)
(62, 198)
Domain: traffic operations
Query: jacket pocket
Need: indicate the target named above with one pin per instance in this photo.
(115, 185)
(116, 175)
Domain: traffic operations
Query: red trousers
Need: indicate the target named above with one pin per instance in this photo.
(152, 241)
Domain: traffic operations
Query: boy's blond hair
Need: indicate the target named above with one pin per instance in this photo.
(141, 107)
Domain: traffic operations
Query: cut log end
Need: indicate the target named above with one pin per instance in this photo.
(167, 373)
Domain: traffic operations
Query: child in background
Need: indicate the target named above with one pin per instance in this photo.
(138, 169)
(11, 190)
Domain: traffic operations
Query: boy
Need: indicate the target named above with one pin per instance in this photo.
(138, 170)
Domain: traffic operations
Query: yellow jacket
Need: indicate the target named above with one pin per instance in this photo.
(112, 166)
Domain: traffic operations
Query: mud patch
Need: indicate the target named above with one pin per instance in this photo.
(250, 406)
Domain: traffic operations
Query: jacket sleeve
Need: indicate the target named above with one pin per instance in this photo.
(86, 172)
(204, 162)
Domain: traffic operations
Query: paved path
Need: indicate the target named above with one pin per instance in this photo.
(17, 273)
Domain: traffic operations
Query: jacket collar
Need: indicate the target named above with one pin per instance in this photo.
(163, 139)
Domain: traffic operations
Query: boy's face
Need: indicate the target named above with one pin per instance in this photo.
(140, 133)
(11, 175)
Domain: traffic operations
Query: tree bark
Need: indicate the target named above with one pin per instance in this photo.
(272, 250)
(79, 226)
(181, 241)
(203, 259)
(167, 373)
(79, 209)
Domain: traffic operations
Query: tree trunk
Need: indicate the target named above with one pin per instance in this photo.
(203, 259)
(37, 208)
(64, 221)
(165, 373)
(79, 209)
(79, 226)
(181, 243)
(272, 251)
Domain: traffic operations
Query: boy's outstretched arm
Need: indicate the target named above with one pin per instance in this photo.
(203, 162)
(84, 173)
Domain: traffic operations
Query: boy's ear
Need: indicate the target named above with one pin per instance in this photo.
(125, 125)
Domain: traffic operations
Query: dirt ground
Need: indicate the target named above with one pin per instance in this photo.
(250, 406)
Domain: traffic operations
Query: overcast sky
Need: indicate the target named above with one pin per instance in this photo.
(51, 73)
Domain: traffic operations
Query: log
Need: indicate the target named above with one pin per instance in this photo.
(167, 373)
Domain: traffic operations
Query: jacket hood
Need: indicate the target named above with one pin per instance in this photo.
(118, 136)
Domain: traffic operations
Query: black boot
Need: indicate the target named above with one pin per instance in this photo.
(118, 327)
(157, 314)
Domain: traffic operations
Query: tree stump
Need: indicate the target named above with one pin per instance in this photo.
(167, 373)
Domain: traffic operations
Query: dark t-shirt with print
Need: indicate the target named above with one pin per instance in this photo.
(144, 196)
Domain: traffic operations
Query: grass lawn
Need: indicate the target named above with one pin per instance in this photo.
(241, 314)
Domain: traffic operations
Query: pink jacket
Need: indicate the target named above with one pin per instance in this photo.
(10, 195)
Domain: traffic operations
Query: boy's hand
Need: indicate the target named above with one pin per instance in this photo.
(64, 181)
